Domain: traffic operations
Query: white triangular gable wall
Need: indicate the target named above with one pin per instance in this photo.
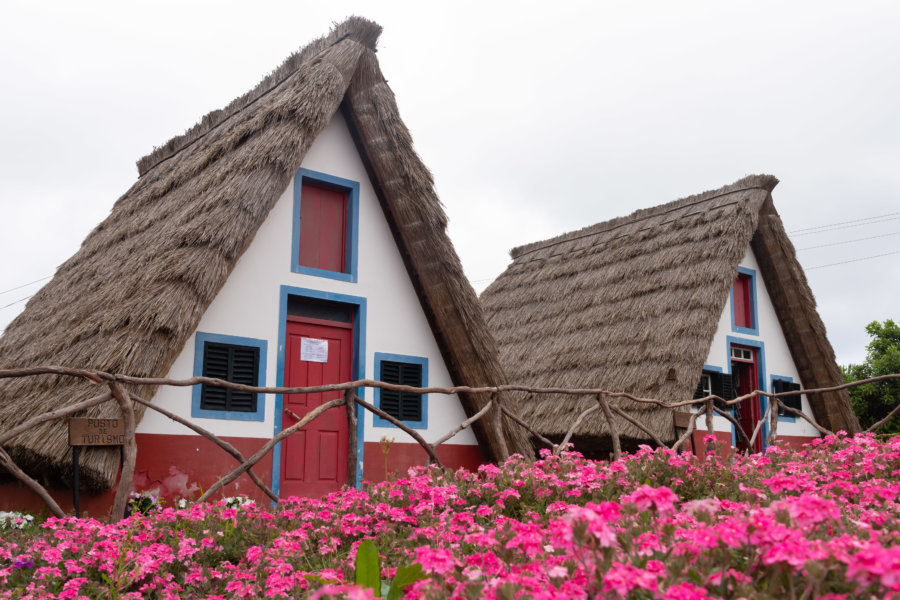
(778, 360)
(248, 306)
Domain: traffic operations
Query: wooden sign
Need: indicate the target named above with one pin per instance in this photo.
(96, 432)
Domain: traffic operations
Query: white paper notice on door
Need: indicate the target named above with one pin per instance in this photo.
(313, 350)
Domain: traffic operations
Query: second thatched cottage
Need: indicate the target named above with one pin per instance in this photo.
(698, 296)
(293, 238)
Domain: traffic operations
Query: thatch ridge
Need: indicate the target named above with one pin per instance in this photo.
(133, 294)
(359, 29)
(755, 182)
(631, 305)
(805, 332)
(405, 188)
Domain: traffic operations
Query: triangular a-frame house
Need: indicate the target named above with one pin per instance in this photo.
(700, 294)
(291, 233)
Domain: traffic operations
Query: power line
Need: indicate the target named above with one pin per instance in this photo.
(873, 237)
(853, 260)
(25, 285)
(837, 227)
(16, 302)
(894, 214)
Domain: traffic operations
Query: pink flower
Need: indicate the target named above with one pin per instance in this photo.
(686, 591)
(876, 563)
(598, 518)
(253, 554)
(623, 578)
(558, 572)
(646, 497)
(71, 587)
(435, 560)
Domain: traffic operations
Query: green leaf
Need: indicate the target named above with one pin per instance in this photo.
(317, 579)
(403, 577)
(368, 569)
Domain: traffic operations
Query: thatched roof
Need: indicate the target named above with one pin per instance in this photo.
(129, 299)
(632, 305)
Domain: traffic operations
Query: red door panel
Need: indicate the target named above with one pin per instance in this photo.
(746, 377)
(328, 443)
(295, 447)
(323, 228)
(314, 460)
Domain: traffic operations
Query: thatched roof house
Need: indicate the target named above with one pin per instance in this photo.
(131, 298)
(633, 304)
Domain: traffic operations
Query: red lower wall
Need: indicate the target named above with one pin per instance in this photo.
(793, 441)
(401, 457)
(723, 443)
(177, 466)
(171, 466)
(723, 438)
(184, 466)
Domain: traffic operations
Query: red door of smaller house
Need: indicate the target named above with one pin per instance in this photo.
(745, 374)
(314, 459)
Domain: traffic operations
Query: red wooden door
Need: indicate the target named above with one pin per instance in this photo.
(314, 459)
(746, 379)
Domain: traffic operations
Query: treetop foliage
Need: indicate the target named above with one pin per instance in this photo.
(872, 402)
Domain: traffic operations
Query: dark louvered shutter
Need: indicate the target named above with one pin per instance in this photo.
(390, 400)
(698, 393)
(402, 405)
(215, 364)
(779, 386)
(237, 364)
(723, 386)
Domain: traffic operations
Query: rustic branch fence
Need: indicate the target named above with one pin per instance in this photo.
(493, 411)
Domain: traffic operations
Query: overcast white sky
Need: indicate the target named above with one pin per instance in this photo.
(534, 118)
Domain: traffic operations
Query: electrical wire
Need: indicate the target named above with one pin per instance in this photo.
(874, 237)
(16, 302)
(849, 226)
(852, 260)
(894, 214)
(19, 287)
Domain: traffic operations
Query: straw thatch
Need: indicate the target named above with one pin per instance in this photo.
(632, 305)
(129, 299)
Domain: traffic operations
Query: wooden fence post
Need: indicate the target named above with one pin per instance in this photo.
(710, 445)
(774, 403)
(497, 423)
(352, 462)
(129, 451)
(613, 432)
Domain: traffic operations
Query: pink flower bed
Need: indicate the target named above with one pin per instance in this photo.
(821, 523)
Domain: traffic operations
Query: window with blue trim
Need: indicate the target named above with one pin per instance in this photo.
(326, 225)
(399, 369)
(743, 302)
(713, 382)
(234, 359)
(786, 384)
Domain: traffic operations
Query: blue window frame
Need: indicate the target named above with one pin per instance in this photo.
(783, 415)
(200, 343)
(383, 360)
(751, 276)
(352, 238)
